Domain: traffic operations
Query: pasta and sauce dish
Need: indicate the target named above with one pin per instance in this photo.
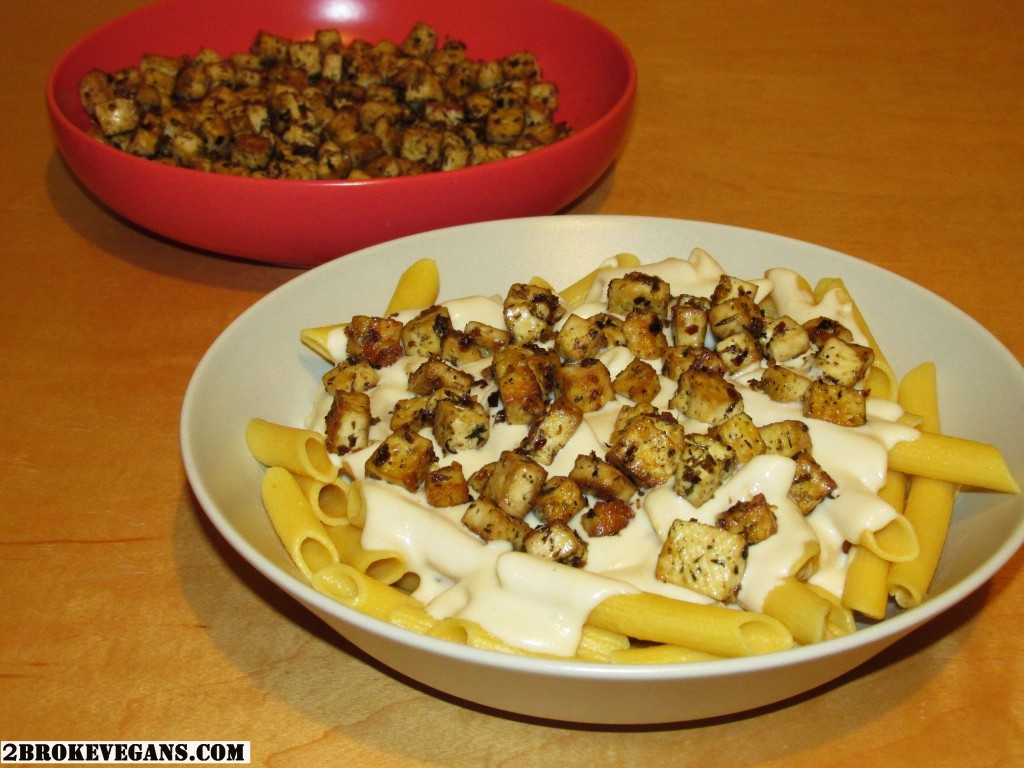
(659, 463)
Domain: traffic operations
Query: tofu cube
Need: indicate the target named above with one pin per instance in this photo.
(638, 291)
(753, 519)
(741, 434)
(629, 412)
(835, 403)
(559, 499)
(460, 348)
(730, 287)
(347, 425)
(811, 484)
(644, 332)
(821, 329)
(739, 351)
(688, 320)
(844, 362)
(351, 377)
(596, 477)
(531, 312)
(412, 413)
(704, 464)
(648, 449)
(703, 558)
(558, 542)
(116, 115)
(505, 124)
(578, 339)
(402, 458)
(446, 486)
(606, 518)
(460, 424)
(487, 337)
(520, 388)
(740, 313)
(638, 381)
(435, 374)
(490, 523)
(611, 327)
(550, 433)
(421, 336)
(374, 340)
(587, 384)
(706, 397)
(676, 360)
(781, 384)
(786, 438)
(784, 339)
(515, 483)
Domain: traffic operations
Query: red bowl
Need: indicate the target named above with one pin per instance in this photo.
(302, 223)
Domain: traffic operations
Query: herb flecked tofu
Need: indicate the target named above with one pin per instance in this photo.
(549, 433)
(460, 424)
(835, 403)
(705, 558)
(347, 425)
(446, 486)
(558, 542)
(706, 397)
(811, 484)
(648, 449)
(531, 312)
(402, 458)
(374, 340)
(844, 362)
(636, 291)
(704, 464)
(587, 385)
(515, 483)
(598, 478)
(488, 521)
(521, 389)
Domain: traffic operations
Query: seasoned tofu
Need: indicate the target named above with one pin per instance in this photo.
(531, 312)
(811, 484)
(587, 385)
(638, 381)
(374, 340)
(627, 413)
(446, 486)
(730, 287)
(835, 403)
(688, 320)
(515, 483)
(422, 336)
(734, 315)
(611, 327)
(676, 360)
(704, 464)
(648, 449)
(402, 458)
(558, 542)
(784, 339)
(522, 392)
(844, 362)
(435, 374)
(706, 397)
(460, 424)
(505, 125)
(781, 384)
(347, 425)
(484, 518)
(638, 291)
(644, 332)
(578, 339)
(821, 329)
(412, 413)
(703, 558)
(459, 349)
(550, 432)
(597, 478)
(753, 519)
(116, 115)
(559, 499)
(351, 377)
(739, 351)
(786, 438)
(741, 434)
(606, 518)
(487, 337)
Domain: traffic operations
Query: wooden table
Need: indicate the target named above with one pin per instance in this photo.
(890, 131)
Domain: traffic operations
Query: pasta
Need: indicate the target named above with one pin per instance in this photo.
(602, 516)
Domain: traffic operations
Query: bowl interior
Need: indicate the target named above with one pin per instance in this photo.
(485, 258)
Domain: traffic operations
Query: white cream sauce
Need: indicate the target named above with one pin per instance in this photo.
(539, 605)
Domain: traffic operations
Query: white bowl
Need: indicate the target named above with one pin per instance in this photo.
(258, 368)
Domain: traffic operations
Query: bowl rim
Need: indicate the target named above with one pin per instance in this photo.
(879, 634)
(623, 103)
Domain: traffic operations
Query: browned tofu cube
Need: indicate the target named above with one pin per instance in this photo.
(638, 291)
(558, 542)
(739, 351)
(784, 339)
(730, 287)
(578, 339)
(811, 484)
(753, 519)
(487, 337)
(676, 360)
(550, 433)
(648, 449)
(629, 412)
(490, 523)
(704, 558)
(422, 335)
(587, 384)
(522, 392)
(638, 381)
(347, 424)
(515, 483)
(821, 329)
(560, 498)
(95, 88)
(446, 486)
(505, 125)
(351, 377)
(460, 348)
(412, 413)
(844, 362)
(688, 320)
(611, 327)
(704, 464)
(460, 424)
(117, 115)
(706, 397)
(531, 312)
(645, 336)
(435, 374)
(835, 403)
(420, 42)
(741, 434)
(786, 438)
(402, 458)
(270, 48)
(781, 384)
(606, 518)
(596, 477)
(374, 340)
(740, 313)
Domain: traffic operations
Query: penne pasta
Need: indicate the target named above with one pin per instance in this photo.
(659, 654)
(302, 534)
(417, 287)
(352, 587)
(574, 295)
(300, 451)
(866, 588)
(384, 566)
(598, 644)
(955, 460)
(328, 500)
(325, 341)
(804, 612)
(895, 542)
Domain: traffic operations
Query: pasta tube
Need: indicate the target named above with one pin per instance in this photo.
(954, 460)
(355, 589)
(575, 294)
(328, 500)
(300, 451)
(417, 287)
(808, 615)
(385, 566)
(659, 654)
(865, 589)
(302, 534)
(319, 339)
